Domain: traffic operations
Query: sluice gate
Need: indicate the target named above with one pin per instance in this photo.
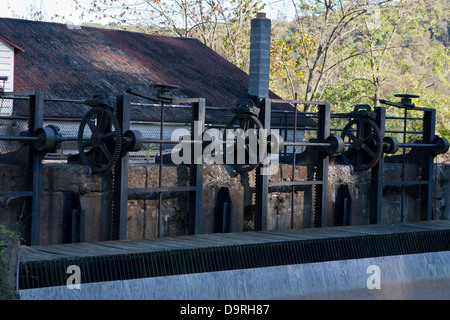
(202, 255)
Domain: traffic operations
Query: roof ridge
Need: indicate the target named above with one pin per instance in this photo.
(98, 28)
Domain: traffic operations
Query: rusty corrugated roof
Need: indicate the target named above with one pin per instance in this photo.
(73, 62)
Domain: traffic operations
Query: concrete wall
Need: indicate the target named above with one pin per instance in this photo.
(415, 276)
(60, 182)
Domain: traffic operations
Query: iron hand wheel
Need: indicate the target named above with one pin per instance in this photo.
(365, 144)
(99, 139)
(251, 150)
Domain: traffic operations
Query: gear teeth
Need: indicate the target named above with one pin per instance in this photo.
(117, 143)
(316, 217)
(262, 145)
(376, 154)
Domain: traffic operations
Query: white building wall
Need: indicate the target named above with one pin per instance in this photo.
(6, 69)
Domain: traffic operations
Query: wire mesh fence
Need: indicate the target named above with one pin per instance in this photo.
(12, 126)
(16, 126)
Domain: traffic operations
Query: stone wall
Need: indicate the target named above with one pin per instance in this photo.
(62, 183)
(9, 250)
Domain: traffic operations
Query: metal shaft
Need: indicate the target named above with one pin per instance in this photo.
(415, 145)
(306, 143)
(162, 141)
(18, 138)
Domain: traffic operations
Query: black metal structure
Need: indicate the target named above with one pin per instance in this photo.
(194, 190)
(369, 135)
(37, 137)
(318, 152)
(421, 153)
(35, 122)
(104, 141)
(361, 144)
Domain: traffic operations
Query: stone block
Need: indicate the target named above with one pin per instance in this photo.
(98, 210)
(52, 215)
(72, 178)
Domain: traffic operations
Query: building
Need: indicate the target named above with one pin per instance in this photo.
(67, 62)
(8, 52)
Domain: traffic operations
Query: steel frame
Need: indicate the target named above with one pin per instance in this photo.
(426, 182)
(35, 121)
(121, 191)
(319, 186)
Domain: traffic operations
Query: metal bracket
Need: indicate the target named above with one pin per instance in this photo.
(246, 106)
(405, 103)
(363, 111)
(164, 93)
(100, 99)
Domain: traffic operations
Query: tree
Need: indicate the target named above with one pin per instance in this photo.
(328, 22)
(179, 17)
(234, 44)
(400, 51)
(286, 70)
(372, 61)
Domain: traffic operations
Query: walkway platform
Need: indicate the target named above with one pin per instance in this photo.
(46, 266)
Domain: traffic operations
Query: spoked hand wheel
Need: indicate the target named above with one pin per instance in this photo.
(365, 144)
(99, 139)
(250, 143)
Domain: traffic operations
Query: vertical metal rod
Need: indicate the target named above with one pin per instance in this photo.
(285, 129)
(161, 136)
(36, 121)
(121, 172)
(402, 205)
(196, 174)
(377, 174)
(321, 200)
(144, 222)
(426, 204)
(435, 165)
(293, 162)
(262, 178)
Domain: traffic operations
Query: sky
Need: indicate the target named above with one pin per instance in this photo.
(66, 9)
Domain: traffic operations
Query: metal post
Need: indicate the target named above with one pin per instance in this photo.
(321, 198)
(196, 175)
(121, 173)
(293, 160)
(402, 204)
(262, 178)
(376, 197)
(429, 122)
(286, 128)
(161, 136)
(36, 120)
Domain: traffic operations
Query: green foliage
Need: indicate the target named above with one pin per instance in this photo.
(404, 52)
(182, 216)
(6, 289)
(248, 225)
(150, 150)
(279, 204)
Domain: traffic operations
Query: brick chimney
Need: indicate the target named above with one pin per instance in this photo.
(259, 56)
